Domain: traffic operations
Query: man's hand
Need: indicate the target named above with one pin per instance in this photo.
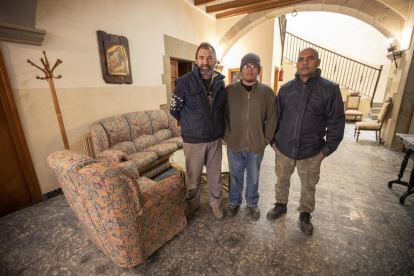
(274, 147)
(322, 155)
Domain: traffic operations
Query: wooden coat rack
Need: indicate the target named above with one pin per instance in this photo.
(49, 77)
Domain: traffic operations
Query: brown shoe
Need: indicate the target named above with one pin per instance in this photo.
(218, 213)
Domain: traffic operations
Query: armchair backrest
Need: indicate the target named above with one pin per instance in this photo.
(352, 102)
(384, 111)
(107, 202)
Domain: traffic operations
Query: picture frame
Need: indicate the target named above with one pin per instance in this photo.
(115, 58)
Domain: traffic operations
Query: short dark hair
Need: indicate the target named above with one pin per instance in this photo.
(207, 46)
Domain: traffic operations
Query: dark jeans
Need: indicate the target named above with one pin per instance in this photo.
(239, 162)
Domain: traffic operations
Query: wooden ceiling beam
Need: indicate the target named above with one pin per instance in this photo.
(256, 8)
(234, 4)
(202, 2)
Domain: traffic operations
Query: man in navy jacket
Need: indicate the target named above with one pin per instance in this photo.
(309, 108)
(197, 103)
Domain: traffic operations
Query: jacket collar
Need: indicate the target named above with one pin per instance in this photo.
(311, 79)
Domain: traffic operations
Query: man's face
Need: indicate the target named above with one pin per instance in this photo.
(308, 63)
(205, 62)
(250, 72)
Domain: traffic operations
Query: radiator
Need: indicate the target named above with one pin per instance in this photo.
(87, 145)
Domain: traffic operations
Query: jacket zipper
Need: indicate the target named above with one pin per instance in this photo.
(296, 122)
(247, 123)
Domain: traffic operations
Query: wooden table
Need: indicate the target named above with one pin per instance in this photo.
(408, 141)
(177, 161)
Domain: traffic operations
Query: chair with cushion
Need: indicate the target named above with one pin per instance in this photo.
(128, 217)
(376, 125)
(351, 107)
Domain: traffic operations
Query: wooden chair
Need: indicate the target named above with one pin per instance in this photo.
(374, 126)
(351, 107)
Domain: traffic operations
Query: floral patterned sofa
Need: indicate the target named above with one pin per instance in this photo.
(146, 137)
(128, 217)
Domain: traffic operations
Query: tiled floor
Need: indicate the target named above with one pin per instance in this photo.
(360, 229)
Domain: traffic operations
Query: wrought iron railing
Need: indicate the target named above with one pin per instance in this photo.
(344, 71)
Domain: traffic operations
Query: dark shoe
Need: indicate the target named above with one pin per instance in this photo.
(218, 213)
(190, 213)
(305, 223)
(232, 210)
(254, 212)
(277, 211)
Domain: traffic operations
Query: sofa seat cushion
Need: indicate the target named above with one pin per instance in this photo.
(143, 159)
(175, 140)
(163, 149)
(368, 126)
(144, 141)
(126, 147)
(162, 135)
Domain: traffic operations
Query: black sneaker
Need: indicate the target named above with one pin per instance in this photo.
(232, 210)
(305, 223)
(277, 211)
(254, 212)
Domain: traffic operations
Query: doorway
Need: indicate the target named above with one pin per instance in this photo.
(178, 69)
(19, 187)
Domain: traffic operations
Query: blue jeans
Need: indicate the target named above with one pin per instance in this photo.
(239, 162)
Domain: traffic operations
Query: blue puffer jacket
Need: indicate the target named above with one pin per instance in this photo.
(200, 122)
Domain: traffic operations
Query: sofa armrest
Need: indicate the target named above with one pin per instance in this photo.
(176, 131)
(112, 157)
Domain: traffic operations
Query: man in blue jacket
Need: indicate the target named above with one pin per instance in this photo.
(197, 103)
(309, 108)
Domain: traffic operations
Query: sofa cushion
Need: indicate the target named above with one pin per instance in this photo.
(144, 141)
(162, 135)
(139, 123)
(143, 159)
(163, 149)
(117, 129)
(100, 140)
(127, 147)
(176, 140)
(159, 119)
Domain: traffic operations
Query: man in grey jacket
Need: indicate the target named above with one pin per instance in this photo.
(249, 125)
(309, 108)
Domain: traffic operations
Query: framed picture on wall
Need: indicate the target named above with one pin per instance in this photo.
(235, 75)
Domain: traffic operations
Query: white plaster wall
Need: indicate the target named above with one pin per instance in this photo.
(277, 51)
(83, 95)
(342, 34)
(347, 36)
(259, 41)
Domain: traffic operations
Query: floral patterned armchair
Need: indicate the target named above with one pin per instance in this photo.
(146, 137)
(128, 217)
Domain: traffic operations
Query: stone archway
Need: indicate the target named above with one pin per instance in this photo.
(375, 13)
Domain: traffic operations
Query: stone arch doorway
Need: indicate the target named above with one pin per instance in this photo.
(375, 13)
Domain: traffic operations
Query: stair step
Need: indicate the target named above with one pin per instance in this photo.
(377, 104)
(375, 110)
(373, 116)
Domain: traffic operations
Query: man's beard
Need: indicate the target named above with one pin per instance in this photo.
(206, 72)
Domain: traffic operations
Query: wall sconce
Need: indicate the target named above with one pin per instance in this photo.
(393, 54)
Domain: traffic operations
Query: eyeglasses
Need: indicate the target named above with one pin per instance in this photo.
(251, 66)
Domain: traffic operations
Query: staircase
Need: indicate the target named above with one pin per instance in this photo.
(375, 110)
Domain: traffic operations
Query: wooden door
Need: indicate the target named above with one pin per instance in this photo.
(275, 87)
(19, 187)
(174, 73)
